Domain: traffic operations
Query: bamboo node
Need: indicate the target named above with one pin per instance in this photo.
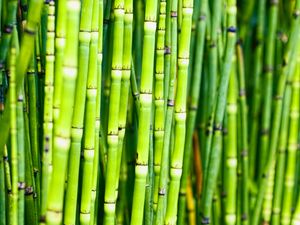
(205, 220)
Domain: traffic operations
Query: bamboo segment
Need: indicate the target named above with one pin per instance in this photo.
(141, 168)
(48, 109)
(179, 112)
(113, 114)
(62, 134)
(214, 159)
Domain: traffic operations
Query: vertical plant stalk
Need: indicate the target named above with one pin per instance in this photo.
(289, 179)
(281, 157)
(90, 121)
(268, 84)
(8, 27)
(113, 113)
(180, 112)
(33, 123)
(281, 83)
(60, 44)
(216, 147)
(13, 201)
(125, 82)
(257, 79)
(244, 135)
(48, 110)
(79, 109)
(98, 156)
(193, 108)
(62, 134)
(159, 102)
(141, 167)
(230, 173)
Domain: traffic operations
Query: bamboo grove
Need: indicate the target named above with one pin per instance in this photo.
(149, 112)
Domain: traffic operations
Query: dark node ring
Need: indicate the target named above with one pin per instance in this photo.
(29, 190)
(21, 185)
(30, 32)
(8, 28)
(223, 194)
(274, 2)
(106, 21)
(9, 191)
(268, 69)
(218, 128)
(46, 148)
(202, 17)
(265, 175)
(244, 152)
(244, 216)
(5, 158)
(173, 14)
(47, 1)
(24, 8)
(205, 220)
(242, 92)
(167, 50)
(231, 29)
(212, 45)
(162, 191)
(170, 103)
(265, 132)
(43, 219)
(208, 132)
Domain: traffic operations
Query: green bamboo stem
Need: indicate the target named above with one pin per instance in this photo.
(289, 179)
(9, 22)
(113, 114)
(33, 122)
(296, 215)
(255, 104)
(193, 107)
(90, 121)
(48, 109)
(25, 56)
(99, 162)
(149, 211)
(30, 203)
(60, 44)
(159, 100)
(139, 13)
(215, 157)
(281, 152)
(13, 203)
(125, 82)
(268, 83)
(141, 168)
(79, 109)
(21, 159)
(171, 41)
(288, 54)
(3, 198)
(179, 112)
(244, 135)
(62, 134)
(134, 89)
(167, 57)
(230, 173)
